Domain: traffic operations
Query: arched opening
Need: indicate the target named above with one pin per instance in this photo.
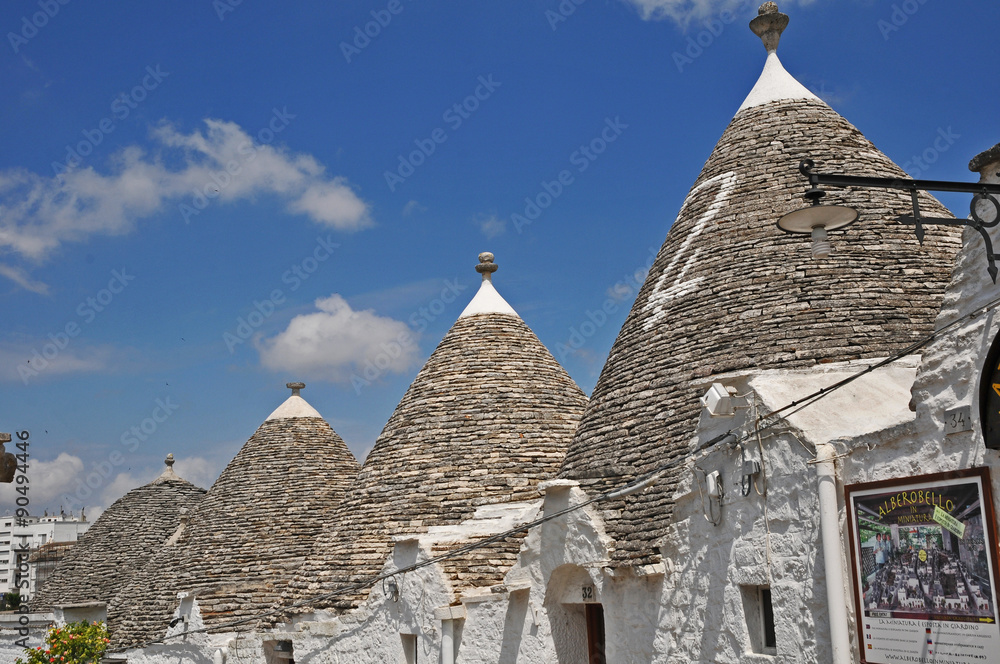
(576, 616)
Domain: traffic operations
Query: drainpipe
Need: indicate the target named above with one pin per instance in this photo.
(447, 642)
(448, 615)
(829, 521)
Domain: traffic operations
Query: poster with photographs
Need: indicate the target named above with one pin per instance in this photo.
(923, 554)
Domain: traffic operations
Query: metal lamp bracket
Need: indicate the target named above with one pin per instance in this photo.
(981, 192)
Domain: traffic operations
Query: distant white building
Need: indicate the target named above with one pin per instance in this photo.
(27, 539)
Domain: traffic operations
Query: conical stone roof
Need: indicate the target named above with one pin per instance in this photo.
(729, 291)
(252, 531)
(120, 542)
(488, 417)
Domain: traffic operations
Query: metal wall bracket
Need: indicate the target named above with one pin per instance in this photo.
(981, 192)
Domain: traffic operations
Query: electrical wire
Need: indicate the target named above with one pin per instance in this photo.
(627, 489)
(763, 496)
(909, 350)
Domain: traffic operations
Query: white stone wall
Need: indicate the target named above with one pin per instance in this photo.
(704, 616)
(370, 634)
(10, 626)
(694, 607)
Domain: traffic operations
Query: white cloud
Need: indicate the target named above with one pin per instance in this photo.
(683, 12)
(492, 226)
(21, 278)
(68, 482)
(38, 213)
(411, 207)
(337, 341)
(49, 480)
(117, 486)
(28, 362)
(58, 483)
(199, 471)
(332, 203)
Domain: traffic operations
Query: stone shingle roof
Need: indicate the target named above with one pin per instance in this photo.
(480, 568)
(729, 291)
(250, 534)
(487, 418)
(119, 543)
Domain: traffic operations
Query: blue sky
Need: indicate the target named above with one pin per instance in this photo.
(201, 201)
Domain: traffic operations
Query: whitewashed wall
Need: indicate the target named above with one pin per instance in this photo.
(10, 626)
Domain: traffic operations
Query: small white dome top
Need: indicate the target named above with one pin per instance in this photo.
(775, 83)
(487, 300)
(294, 406)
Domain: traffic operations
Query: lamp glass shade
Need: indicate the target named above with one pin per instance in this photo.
(830, 217)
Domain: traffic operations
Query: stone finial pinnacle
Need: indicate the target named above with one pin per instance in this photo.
(769, 24)
(295, 387)
(486, 266)
(168, 472)
(979, 163)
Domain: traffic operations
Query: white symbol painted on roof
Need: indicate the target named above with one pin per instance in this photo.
(672, 282)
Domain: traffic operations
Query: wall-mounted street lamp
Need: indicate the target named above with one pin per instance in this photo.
(817, 219)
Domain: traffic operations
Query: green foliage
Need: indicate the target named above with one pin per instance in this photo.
(73, 643)
(10, 601)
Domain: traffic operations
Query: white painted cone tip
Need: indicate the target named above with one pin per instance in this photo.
(775, 84)
(294, 406)
(488, 301)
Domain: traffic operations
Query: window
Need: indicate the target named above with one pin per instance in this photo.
(759, 613)
(409, 648)
(767, 612)
(278, 652)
